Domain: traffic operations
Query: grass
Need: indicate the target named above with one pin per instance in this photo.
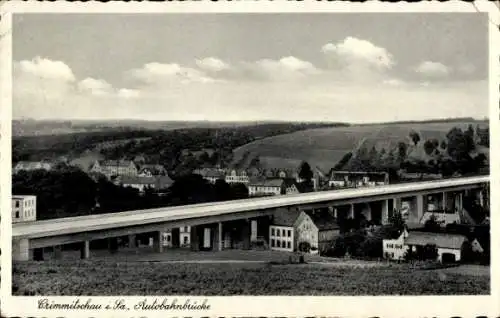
(95, 277)
(324, 147)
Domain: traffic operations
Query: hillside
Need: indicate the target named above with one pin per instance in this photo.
(324, 147)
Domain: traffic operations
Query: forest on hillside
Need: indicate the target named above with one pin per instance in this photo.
(462, 152)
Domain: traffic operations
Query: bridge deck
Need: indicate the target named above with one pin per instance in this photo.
(159, 215)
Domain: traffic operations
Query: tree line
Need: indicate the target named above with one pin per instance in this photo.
(71, 192)
(458, 153)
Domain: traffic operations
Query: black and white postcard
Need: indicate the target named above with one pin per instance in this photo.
(184, 158)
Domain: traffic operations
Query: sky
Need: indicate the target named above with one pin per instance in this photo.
(349, 67)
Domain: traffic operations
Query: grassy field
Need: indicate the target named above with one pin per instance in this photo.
(324, 147)
(99, 277)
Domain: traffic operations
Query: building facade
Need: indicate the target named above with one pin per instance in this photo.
(281, 238)
(142, 183)
(113, 168)
(290, 228)
(267, 187)
(449, 246)
(237, 176)
(395, 249)
(31, 165)
(344, 179)
(23, 208)
(147, 170)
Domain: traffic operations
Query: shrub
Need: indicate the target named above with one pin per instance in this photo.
(372, 247)
(304, 247)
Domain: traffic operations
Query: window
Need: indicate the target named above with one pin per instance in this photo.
(289, 233)
(272, 232)
(283, 244)
(278, 243)
(288, 244)
(185, 239)
(17, 215)
(168, 238)
(272, 243)
(283, 232)
(185, 229)
(277, 232)
(17, 204)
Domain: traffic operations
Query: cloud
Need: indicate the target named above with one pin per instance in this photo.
(96, 87)
(287, 88)
(285, 69)
(393, 82)
(46, 69)
(157, 73)
(432, 69)
(352, 51)
(212, 64)
(128, 93)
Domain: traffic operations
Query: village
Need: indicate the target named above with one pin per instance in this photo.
(446, 233)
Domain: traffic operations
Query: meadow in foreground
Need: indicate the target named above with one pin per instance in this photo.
(144, 278)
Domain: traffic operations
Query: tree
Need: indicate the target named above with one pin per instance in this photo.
(305, 172)
(444, 145)
(432, 225)
(239, 191)
(342, 162)
(415, 137)
(402, 148)
(255, 162)
(396, 221)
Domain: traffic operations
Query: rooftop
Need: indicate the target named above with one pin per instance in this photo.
(444, 240)
(323, 220)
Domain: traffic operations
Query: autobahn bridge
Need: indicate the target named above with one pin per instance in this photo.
(246, 218)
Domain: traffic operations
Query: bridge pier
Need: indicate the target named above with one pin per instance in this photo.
(420, 206)
(58, 252)
(385, 212)
(132, 241)
(158, 242)
(21, 250)
(194, 238)
(85, 250)
(351, 211)
(219, 232)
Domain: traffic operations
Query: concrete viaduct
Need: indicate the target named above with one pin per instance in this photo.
(237, 218)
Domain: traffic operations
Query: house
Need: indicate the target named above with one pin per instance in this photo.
(142, 183)
(343, 179)
(291, 227)
(282, 231)
(136, 182)
(111, 168)
(449, 246)
(184, 237)
(148, 170)
(23, 208)
(291, 186)
(237, 176)
(31, 165)
(395, 249)
(211, 174)
(265, 187)
(163, 182)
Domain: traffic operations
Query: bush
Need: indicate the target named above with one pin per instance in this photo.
(372, 247)
(304, 247)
